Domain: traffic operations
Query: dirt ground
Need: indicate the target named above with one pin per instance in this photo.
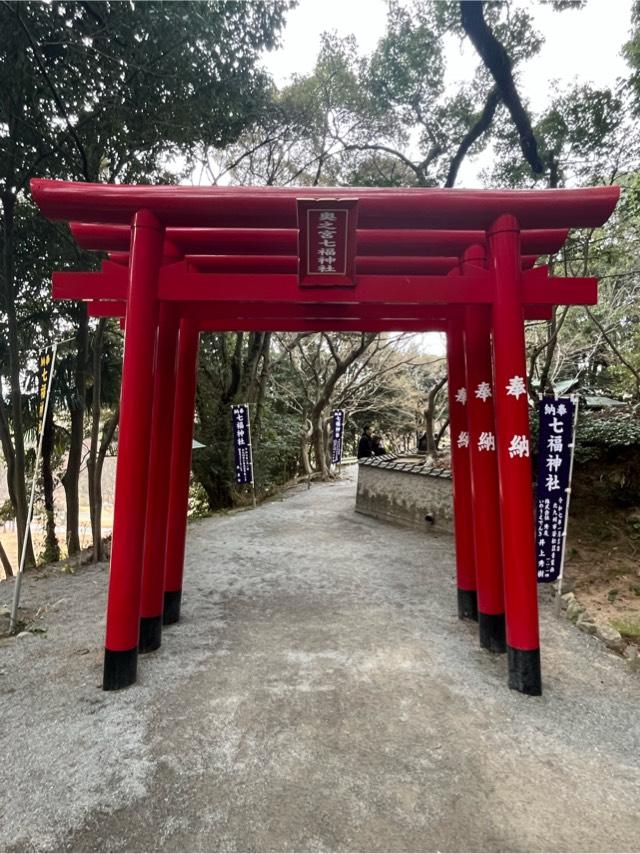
(602, 565)
(319, 694)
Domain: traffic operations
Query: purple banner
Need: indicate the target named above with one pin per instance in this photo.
(337, 431)
(554, 475)
(242, 443)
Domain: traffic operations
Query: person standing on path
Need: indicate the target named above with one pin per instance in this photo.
(365, 446)
(378, 448)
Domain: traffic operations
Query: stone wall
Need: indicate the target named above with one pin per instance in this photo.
(405, 491)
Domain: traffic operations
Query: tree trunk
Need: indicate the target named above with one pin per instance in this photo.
(317, 440)
(71, 478)
(6, 563)
(51, 546)
(92, 462)
(262, 380)
(9, 455)
(19, 487)
(108, 432)
(326, 435)
(441, 433)
(429, 416)
(305, 447)
(324, 399)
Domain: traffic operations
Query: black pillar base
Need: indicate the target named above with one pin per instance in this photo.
(119, 669)
(524, 671)
(172, 600)
(492, 632)
(467, 604)
(150, 633)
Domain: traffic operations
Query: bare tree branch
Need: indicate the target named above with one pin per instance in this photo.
(498, 62)
(607, 338)
(474, 133)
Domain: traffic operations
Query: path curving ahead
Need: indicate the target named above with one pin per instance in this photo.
(320, 694)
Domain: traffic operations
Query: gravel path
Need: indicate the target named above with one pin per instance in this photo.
(319, 694)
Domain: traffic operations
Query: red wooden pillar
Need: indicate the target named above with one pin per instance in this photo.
(514, 460)
(484, 467)
(463, 521)
(164, 389)
(180, 468)
(125, 579)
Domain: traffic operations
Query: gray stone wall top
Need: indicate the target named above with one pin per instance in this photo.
(393, 462)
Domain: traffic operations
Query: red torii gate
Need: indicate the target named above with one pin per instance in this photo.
(183, 260)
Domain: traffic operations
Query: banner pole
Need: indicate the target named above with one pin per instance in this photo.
(576, 402)
(253, 481)
(27, 525)
(337, 420)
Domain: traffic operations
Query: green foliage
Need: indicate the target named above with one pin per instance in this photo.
(198, 506)
(388, 119)
(629, 627)
(277, 457)
(101, 89)
(579, 136)
(631, 52)
(598, 435)
(105, 91)
(7, 513)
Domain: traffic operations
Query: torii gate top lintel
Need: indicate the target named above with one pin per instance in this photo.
(269, 207)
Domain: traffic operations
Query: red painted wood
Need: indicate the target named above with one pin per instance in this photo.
(267, 207)
(125, 578)
(89, 286)
(164, 390)
(208, 312)
(271, 241)
(289, 324)
(180, 470)
(482, 452)
(178, 283)
(463, 515)
(106, 308)
(288, 264)
(512, 417)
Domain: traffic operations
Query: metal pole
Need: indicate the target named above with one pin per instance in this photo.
(27, 525)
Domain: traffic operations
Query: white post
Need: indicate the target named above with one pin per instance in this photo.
(27, 527)
(576, 401)
(344, 419)
(253, 482)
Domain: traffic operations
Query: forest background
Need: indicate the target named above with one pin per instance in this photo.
(177, 92)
